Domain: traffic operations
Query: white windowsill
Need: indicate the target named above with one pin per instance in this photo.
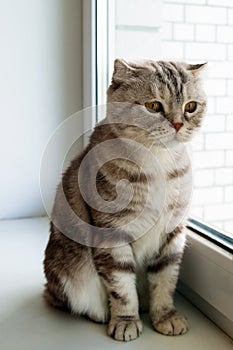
(27, 323)
(207, 280)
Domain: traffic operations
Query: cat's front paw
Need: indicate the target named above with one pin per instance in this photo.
(174, 324)
(125, 328)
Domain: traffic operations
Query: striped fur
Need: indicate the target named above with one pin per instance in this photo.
(106, 263)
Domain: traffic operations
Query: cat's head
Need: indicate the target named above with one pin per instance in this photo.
(167, 97)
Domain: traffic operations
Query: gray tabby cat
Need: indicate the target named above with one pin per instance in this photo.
(109, 263)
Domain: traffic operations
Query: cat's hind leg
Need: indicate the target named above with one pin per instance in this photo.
(80, 297)
(72, 280)
(56, 299)
(86, 294)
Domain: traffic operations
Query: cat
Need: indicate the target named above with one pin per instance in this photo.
(117, 226)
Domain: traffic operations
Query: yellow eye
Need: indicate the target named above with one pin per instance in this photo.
(154, 107)
(190, 107)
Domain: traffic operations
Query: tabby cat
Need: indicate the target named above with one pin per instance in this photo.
(117, 227)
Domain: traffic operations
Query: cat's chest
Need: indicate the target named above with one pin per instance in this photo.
(148, 245)
(168, 197)
(149, 227)
(155, 219)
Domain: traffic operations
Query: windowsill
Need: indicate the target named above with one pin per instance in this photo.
(26, 322)
(207, 280)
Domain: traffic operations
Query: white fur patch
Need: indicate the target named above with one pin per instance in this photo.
(162, 193)
(87, 294)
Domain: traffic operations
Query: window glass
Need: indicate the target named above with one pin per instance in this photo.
(192, 31)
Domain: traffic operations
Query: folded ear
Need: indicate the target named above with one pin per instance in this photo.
(196, 69)
(122, 71)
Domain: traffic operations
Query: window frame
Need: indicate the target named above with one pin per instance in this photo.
(204, 241)
(89, 25)
(209, 232)
(210, 285)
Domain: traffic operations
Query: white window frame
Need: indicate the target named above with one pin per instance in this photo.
(89, 66)
(206, 277)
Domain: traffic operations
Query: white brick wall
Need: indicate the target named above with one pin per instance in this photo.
(166, 31)
(206, 15)
(229, 158)
(198, 2)
(211, 105)
(205, 196)
(218, 212)
(140, 46)
(230, 86)
(205, 51)
(230, 17)
(197, 211)
(229, 121)
(205, 32)
(219, 141)
(172, 13)
(223, 70)
(138, 36)
(230, 52)
(227, 3)
(214, 123)
(224, 105)
(204, 178)
(195, 31)
(215, 87)
(198, 142)
(228, 194)
(137, 7)
(210, 159)
(177, 49)
(224, 177)
(183, 31)
(224, 34)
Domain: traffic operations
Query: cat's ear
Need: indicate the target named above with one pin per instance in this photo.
(197, 69)
(122, 71)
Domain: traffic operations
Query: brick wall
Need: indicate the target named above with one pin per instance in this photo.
(194, 31)
(204, 32)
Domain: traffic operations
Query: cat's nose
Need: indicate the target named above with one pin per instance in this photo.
(177, 126)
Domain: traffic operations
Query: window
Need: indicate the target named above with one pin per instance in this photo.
(193, 31)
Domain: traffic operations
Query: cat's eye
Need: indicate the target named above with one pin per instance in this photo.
(154, 107)
(190, 107)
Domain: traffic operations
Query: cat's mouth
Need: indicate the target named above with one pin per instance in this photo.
(165, 138)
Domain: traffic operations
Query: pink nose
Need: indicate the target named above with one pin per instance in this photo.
(177, 126)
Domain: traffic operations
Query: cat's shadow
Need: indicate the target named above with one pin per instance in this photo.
(34, 324)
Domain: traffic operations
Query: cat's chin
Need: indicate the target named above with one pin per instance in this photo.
(173, 143)
(176, 141)
(168, 140)
(183, 138)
